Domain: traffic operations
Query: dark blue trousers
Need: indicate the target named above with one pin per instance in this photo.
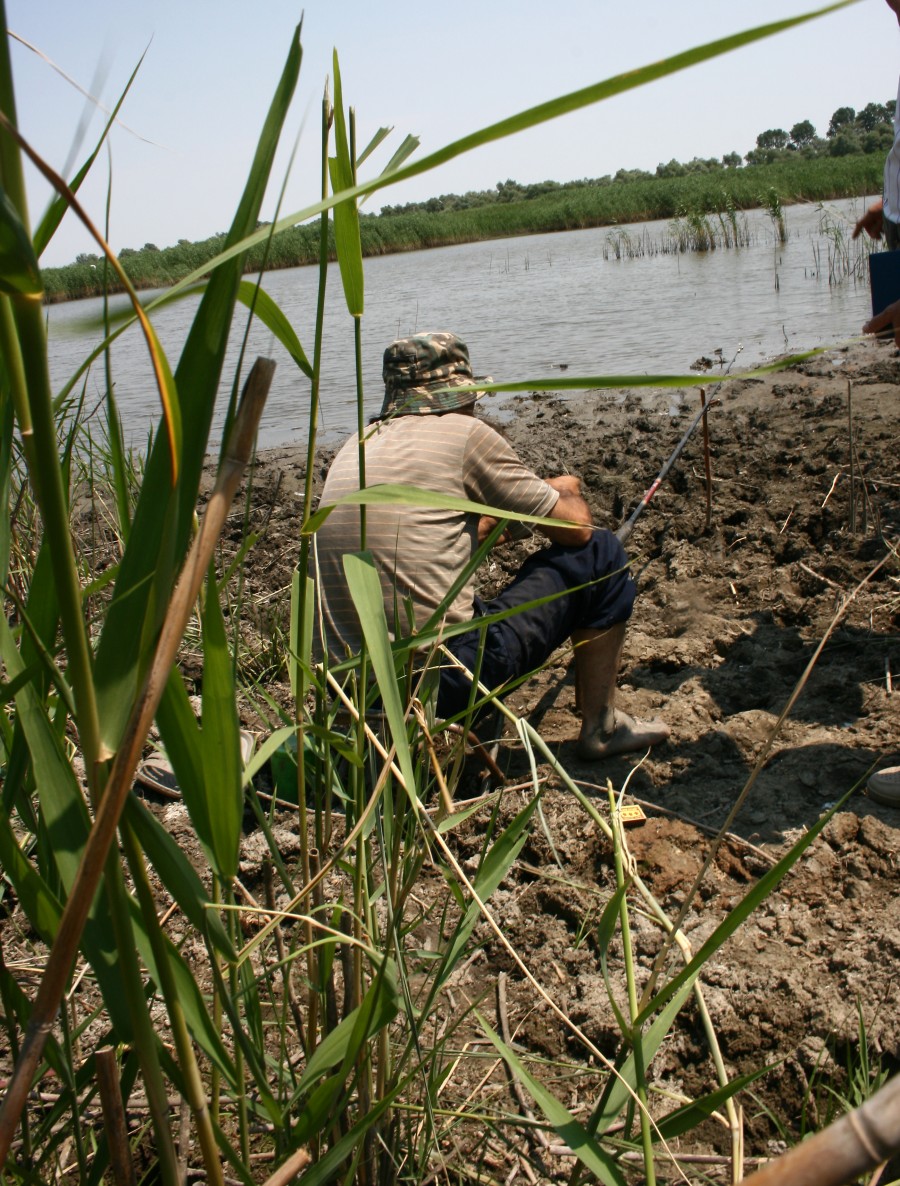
(592, 588)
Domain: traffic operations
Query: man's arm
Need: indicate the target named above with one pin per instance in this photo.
(569, 506)
(888, 319)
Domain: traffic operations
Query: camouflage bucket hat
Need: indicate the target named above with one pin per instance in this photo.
(420, 372)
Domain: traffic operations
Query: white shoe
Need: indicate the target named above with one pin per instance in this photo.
(884, 786)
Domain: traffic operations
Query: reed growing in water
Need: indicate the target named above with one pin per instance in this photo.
(720, 194)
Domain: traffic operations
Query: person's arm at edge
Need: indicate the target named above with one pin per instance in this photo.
(872, 222)
(888, 319)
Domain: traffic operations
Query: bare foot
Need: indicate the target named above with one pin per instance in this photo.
(629, 736)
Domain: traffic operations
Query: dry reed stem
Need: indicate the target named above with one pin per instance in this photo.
(65, 946)
(288, 1170)
(114, 1122)
(860, 1141)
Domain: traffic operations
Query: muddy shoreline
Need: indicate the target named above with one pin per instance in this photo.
(805, 489)
(740, 580)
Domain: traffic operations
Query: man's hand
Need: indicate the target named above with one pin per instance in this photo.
(872, 222)
(486, 525)
(888, 319)
(571, 506)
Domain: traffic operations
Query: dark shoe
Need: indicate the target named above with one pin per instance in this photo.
(884, 786)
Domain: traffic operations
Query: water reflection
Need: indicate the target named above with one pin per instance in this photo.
(525, 306)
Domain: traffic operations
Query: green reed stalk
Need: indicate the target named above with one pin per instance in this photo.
(146, 1041)
(634, 1037)
(183, 1044)
(239, 1062)
(300, 616)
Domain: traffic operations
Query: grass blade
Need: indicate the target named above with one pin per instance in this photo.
(365, 588)
(579, 1140)
(220, 740)
(162, 522)
(346, 214)
(19, 271)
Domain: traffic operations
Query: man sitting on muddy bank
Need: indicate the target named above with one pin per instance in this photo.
(427, 435)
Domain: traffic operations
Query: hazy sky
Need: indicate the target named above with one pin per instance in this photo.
(193, 116)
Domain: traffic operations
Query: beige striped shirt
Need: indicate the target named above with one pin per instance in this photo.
(419, 551)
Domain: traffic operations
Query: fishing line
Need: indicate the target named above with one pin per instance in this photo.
(627, 527)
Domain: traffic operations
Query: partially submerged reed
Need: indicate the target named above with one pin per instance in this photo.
(307, 1031)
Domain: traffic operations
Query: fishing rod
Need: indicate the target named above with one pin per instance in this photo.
(627, 527)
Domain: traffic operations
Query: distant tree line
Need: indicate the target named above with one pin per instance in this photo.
(849, 133)
(796, 164)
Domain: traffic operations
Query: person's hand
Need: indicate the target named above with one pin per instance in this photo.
(571, 507)
(886, 321)
(872, 222)
(486, 525)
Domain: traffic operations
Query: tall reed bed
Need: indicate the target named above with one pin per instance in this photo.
(723, 192)
(169, 1018)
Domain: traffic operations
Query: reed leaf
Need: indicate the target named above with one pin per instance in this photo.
(387, 494)
(65, 816)
(571, 1132)
(190, 999)
(606, 929)
(58, 205)
(220, 740)
(301, 634)
(403, 153)
(341, 1047)
(495, 865)
(346, 215)
(178, 876)
(269, 312)
(534, 116)
(6, 463)
(380, 136)
(621, 1087)
(686, 1118)
(364, 586)
(19, 271)
(735, 917)
(42, 908)
(329, 1167)
(162, 520)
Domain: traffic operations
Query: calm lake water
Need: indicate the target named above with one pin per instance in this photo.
(526, 307)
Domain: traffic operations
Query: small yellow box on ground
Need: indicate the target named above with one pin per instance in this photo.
(631, 813)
